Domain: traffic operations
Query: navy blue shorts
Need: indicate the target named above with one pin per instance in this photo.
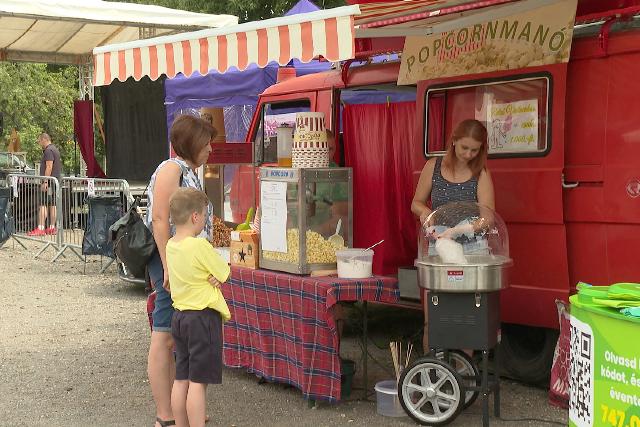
(163, 309)
(198, 338)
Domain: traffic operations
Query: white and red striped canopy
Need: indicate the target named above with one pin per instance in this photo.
(327, 33)
(385, 13)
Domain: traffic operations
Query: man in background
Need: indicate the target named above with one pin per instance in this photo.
(50, 165)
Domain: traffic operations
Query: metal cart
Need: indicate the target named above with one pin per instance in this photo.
(463, 310)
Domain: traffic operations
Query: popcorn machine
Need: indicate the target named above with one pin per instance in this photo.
(300, 209)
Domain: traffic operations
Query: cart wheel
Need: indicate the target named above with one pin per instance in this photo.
(464, 366)
(431, 391)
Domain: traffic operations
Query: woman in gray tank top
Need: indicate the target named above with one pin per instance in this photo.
(460, 176)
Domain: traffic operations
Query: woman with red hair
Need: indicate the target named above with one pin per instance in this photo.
(460, 176)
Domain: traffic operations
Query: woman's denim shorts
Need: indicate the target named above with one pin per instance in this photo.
(163, 310)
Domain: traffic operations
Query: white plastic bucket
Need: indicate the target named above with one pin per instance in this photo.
(388, 403)
(354, 263)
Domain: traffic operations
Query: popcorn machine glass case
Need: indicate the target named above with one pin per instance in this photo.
(312, 200)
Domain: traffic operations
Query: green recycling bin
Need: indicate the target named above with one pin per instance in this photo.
(604, 374)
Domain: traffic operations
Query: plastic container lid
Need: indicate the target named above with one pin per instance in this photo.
(355, 253)
(604, 311)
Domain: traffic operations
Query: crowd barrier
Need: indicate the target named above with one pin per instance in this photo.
(64, 206)
(36, 199)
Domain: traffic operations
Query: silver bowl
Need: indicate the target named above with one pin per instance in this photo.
(482, 273)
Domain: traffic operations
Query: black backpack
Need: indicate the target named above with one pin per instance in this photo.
(133, 243)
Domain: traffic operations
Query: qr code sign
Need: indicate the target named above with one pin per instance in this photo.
(581, 374)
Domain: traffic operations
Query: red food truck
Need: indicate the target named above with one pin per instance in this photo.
(571, 201)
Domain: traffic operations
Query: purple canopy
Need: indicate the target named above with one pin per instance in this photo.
(303, 6)
(239, 89)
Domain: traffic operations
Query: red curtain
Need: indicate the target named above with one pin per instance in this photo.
(386, 157)
(435, 126)
(83, 129)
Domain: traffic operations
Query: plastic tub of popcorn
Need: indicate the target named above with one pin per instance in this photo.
(354, 263)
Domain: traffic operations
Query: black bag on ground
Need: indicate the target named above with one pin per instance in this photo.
(6, 217)
(103, 212)
(132, 241)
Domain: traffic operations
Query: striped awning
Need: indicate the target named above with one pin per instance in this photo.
(412, 17)
(326, 33)
(384, 13)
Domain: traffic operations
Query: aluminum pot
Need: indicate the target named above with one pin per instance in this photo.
(482, 273)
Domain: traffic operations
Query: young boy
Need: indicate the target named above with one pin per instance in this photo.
(196, 272)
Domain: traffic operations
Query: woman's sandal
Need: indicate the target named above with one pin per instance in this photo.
(165, 423)
(169, 423)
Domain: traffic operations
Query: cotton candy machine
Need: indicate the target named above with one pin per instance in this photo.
(462, 266)
(481, 273)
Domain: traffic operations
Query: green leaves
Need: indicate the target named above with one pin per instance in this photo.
(245, 10)
(38, 98)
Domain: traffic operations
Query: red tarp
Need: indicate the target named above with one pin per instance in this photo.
(383, 134)
(83, 129)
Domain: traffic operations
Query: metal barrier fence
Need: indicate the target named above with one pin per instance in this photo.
(65, 206)
(36, 205)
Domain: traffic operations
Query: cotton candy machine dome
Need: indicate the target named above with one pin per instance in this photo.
(464, 247)
(476, 229)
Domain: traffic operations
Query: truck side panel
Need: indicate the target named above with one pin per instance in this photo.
(603, 157)
(529, 194)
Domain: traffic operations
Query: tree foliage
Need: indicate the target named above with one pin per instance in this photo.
(36, 98)
(245, 10)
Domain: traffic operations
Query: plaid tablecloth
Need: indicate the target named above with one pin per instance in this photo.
(282, 328)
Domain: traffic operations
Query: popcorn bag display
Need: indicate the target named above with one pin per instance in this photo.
(310, 147)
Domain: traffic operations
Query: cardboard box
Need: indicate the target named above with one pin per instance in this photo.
(245, 254)
(248, 236)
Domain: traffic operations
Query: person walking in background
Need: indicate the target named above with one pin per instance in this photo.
(50, 165)
(196, 273)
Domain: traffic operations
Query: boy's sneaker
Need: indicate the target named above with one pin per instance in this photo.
(37, 232)
(51, 231)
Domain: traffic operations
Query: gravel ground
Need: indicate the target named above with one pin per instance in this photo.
(73, 353)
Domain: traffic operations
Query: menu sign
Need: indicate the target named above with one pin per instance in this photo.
(273, 221)
(537, 36)
(513, 126)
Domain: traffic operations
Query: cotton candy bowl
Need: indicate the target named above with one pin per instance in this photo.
(354, 263)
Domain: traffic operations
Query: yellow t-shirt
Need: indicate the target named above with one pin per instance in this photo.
(191, 261)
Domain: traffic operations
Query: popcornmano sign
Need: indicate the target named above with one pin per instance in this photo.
(537, 37)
